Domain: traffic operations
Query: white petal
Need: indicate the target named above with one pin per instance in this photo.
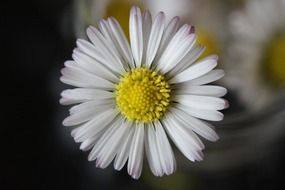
(201, 102)
(101, 43)
(122, 41)
(185, 131)
(188, 60)
(151, 151)
(212, 76)
(166, 155)
(86, 111)
(94, 126)
(192, 56)
(206, 90)
(169, 32)
(182, 41)
(89, 49)
(136, 35)
(185, 141)
(90, 142)
(211, 115)
(201, 128)
(124, 150)
(106, 31)
(181, 50)
(195, 71)
(146, 26)
(136, 152)
(91, 65)
(155, 38)
(183, 32)
(113, 127)
(109, 149)
(92, 104)
(75, 76)
(79, 95)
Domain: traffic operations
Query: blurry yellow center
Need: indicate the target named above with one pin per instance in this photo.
(274, 66)
(142, 95)
(120, 11)
(208, 40)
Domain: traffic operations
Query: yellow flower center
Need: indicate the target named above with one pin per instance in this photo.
(142, 95)
(274, 63)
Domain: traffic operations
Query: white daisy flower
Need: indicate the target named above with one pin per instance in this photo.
(131, 97)
(256, 62)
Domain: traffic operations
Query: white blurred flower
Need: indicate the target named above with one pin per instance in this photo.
(128, 96)
(256, 62)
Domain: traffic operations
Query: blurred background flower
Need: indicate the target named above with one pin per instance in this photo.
(256, 53)
(248, 36)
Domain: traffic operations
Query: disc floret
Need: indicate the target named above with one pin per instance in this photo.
(142, 95)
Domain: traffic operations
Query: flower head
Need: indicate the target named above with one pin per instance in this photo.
(130, 97)
(256, 66)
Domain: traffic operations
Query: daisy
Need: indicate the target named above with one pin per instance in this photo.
(256, 62)
(131, 97)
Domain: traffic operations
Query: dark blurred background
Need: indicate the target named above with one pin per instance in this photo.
(37, 152)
